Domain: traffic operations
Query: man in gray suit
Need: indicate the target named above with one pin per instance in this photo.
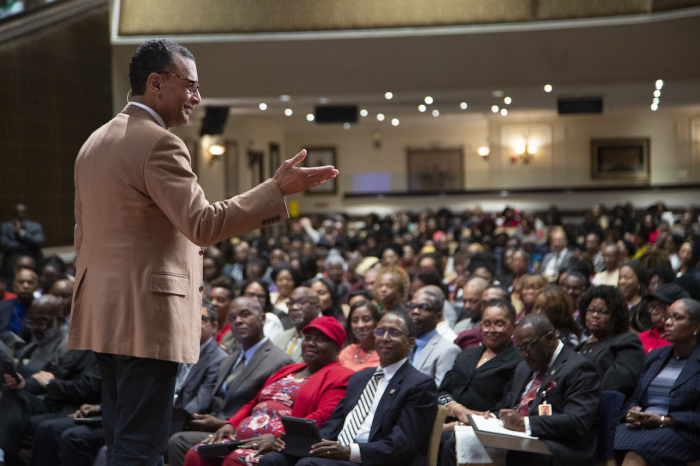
(241, 376)
(195, 393)
(303, 306)
(432, 354)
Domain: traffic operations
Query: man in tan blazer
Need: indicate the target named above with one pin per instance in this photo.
(141, 221)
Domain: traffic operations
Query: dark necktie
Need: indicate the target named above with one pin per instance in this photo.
(524, 406)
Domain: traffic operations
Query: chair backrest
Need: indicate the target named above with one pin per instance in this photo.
(435, 433)
(608, 418)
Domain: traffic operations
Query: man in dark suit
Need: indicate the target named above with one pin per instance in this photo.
(570, 384)
(235, 386)
(196, 392)
(141, 221)
(395, 428)
(19, 237)
(14, 311)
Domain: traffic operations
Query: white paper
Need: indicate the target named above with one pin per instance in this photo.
(495, 426)
(469, 448)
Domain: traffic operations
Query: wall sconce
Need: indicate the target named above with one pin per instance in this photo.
(215, 148)
(524, 153)
(484, 152)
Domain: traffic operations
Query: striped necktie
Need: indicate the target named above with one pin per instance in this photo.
(361, 410)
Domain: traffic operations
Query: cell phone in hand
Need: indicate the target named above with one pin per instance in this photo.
(9, 369)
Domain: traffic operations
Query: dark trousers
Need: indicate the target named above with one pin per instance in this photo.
(137, 404)
(63, 442)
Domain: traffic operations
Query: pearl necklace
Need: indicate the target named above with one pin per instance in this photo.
(357, 355)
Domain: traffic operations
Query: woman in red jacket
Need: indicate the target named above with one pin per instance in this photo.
(310, 390)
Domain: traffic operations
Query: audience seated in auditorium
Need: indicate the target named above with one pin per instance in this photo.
(661, 419)
(388, 412)
(328, 298)
(310, 390)
(240, 377)
(471, 303)
(473, 336)
(611, 260)
(480, 375)
(52, 380)
(530, 285)
(617, 354)
(286, 278)
(558, 257)
(391, 289)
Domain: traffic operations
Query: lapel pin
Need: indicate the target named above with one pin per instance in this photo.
(391, 392)
(552, 373)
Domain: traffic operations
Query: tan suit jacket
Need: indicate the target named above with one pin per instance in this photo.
(141, 219)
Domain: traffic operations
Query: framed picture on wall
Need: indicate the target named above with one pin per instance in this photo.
(431, 170)
(317, 157)
(623, 159)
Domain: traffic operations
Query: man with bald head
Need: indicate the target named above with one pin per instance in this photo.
(551, 372)
(63, 290)
(13, 312)
(241, 376)
(304, 306)
(49, 341)
(471, 299)
(432, 354)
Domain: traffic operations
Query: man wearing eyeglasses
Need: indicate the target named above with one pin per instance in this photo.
(141, 219)
(554, 396)
(432, 354)
(387, 413)
(303, 306)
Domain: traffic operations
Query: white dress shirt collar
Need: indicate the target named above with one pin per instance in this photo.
(153, 113)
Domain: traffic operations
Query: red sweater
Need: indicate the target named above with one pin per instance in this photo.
(317, 397)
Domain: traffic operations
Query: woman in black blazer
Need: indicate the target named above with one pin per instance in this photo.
(617, 354)
(662, 421)
(481, 375)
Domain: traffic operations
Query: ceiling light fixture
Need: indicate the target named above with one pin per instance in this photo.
(507, 100)
(504, 111)
(285, 98)
(659, 83)
(428, 100)
(389, 95)
(288, 111)
(548, 88)
(495, 109)
(422, 108)
(395, 121)
(262, 106)
(380, 116)
(436, 113)
(463, 106)
(364, 112)
(310, 117)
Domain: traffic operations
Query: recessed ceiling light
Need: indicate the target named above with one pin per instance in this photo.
(463, 105)
(288, 111)
(363, 112)
(428, 100)
(657, 93)
(395, 121)
(659, 83)
(346, 125)
(436, 113)
(310, 117)
(262, 106)
(323, 100)
(656, 100)
(504, 111)
(654, 107)
(388, 95)
(285, 98)
(422, 108)
(507, 100)
(380, 116)
(548, 88)
(494, 108)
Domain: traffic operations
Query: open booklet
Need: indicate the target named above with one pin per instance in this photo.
(491, 433)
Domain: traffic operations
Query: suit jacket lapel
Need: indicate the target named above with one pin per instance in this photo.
(225, 369)
(388, 397)
(692, 367)
(425, 354)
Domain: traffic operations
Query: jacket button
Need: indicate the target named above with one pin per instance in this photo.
(201, 288)
(201, 252)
